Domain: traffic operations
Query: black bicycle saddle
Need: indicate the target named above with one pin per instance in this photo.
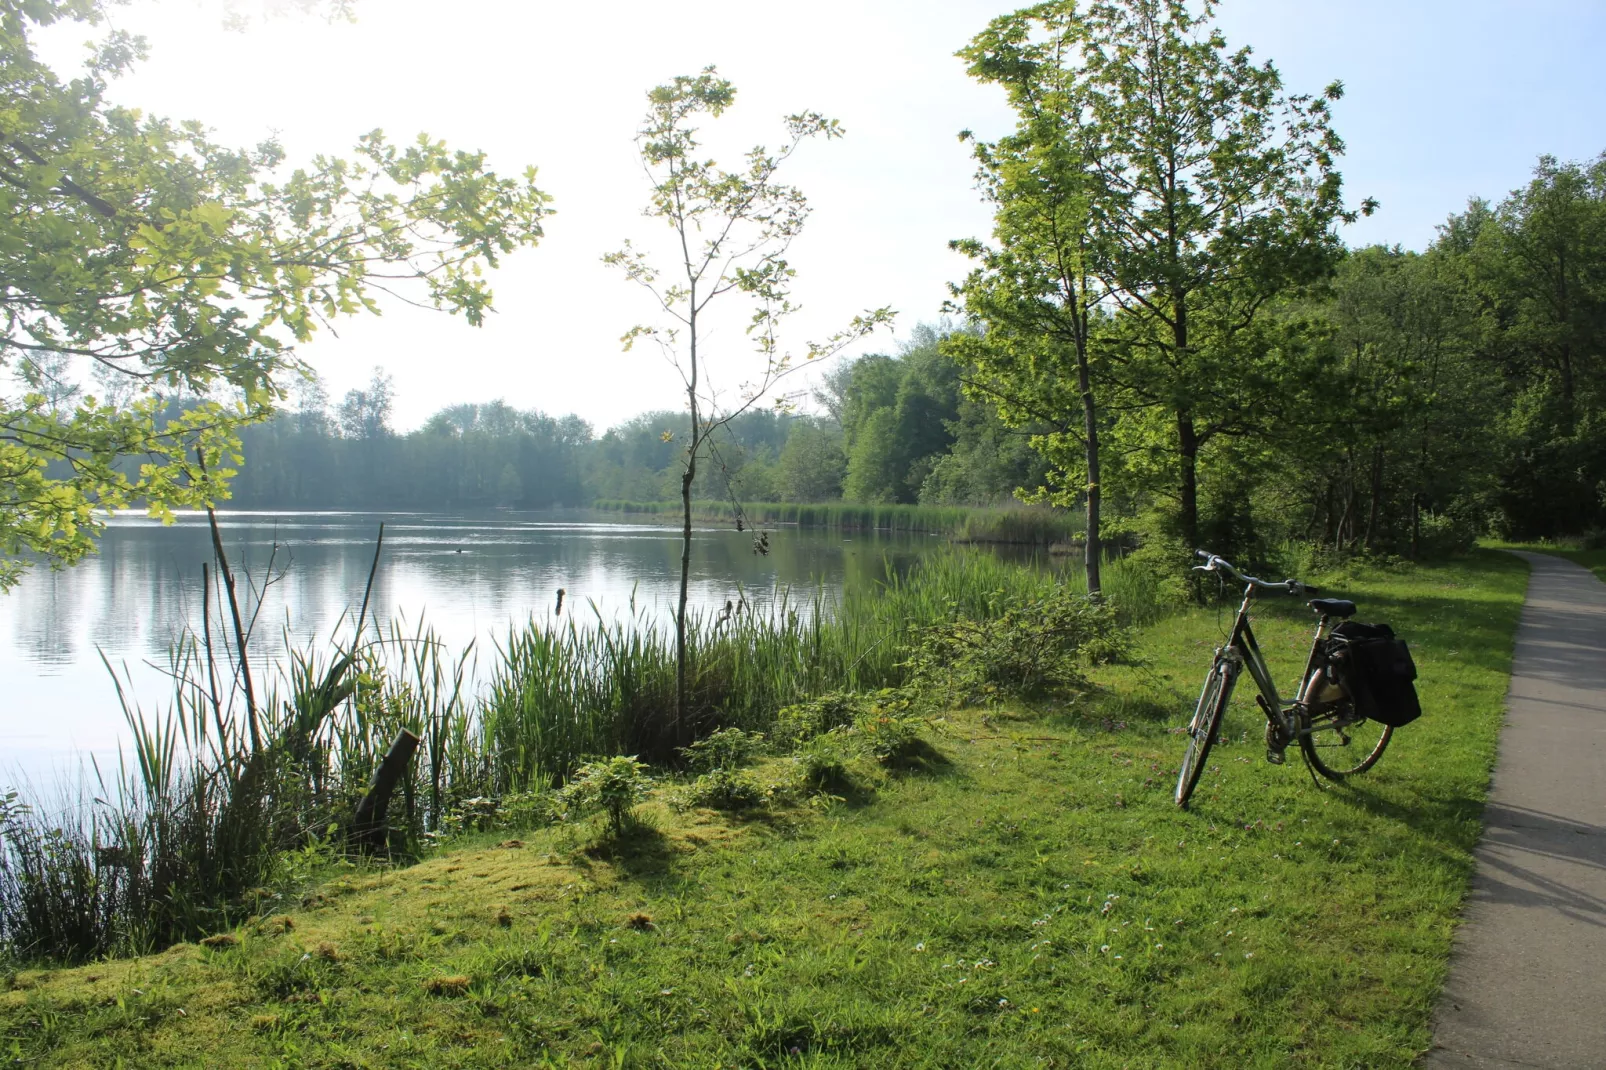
(1333, 607)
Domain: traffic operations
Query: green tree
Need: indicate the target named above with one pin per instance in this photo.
(1036, 292)
(1208, 191)
(812, 464)
(179, 268)
(731, 232)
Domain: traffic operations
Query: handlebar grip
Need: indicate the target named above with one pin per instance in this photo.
(1206, 554)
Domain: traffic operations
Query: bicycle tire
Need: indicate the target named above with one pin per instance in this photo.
(1343, 760)
(1202, 729)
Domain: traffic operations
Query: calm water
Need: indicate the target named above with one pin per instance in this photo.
(469, 577)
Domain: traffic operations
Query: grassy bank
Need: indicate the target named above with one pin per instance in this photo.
(1030, 897)
(1017, 524)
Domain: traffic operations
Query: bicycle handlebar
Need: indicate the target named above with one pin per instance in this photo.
(1217, 564)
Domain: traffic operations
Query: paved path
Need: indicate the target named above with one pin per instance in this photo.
(1527, 985)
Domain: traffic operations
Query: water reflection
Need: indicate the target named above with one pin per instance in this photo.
(468, 577)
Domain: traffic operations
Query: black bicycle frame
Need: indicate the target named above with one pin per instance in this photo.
(1243, 642)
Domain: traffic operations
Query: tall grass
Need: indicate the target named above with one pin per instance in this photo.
(202, 825)
(1025, 525)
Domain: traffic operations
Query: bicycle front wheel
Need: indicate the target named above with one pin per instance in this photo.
(1203, 728)
(1338, 744)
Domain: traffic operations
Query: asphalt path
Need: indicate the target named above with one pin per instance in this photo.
(1527, 983)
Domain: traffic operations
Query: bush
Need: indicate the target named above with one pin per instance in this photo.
(804, 721)
(1031, 648)
(822, 762)
(728, 748)
(890, 734)
(1444, 535)
(726, 789)
(614, 785)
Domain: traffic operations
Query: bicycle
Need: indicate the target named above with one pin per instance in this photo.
(1334, 739)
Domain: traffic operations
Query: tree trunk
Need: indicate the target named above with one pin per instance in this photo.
(1090, 430)
(1188, 492)
(369, 830)
(687, 478)
(1377, 495)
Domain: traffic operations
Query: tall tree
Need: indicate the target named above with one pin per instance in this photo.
(1209, 189)
(1036, 291)
(731, 231)
(178, 267)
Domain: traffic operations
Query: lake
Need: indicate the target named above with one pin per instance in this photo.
(470, 577)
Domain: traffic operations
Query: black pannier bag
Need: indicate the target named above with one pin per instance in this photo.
(1375, 667)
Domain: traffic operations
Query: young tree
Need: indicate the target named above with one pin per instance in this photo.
(731, 232)
(1207, 189)
(141, 248)
(1037, 292)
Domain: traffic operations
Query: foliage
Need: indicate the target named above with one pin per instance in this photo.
(723, 748)
(889, 730)
(822, 761)
(181, 272)
(1156, 175)
(1020, 649)
(612, 785)
(803, 721)
(725, 788)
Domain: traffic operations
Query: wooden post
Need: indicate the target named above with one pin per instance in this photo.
(369, 830)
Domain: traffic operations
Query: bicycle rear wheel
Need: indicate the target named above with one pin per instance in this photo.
(1337, 744)
(1203, 728)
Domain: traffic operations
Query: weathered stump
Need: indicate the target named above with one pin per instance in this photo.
(370, 829)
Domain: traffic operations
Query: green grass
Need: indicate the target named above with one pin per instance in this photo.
(1023, 525)
(1031, 898)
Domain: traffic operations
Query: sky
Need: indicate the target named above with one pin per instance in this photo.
(1445, 99)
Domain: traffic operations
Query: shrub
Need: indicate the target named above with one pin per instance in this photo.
(1444, 535)
(613, 785)
(725, 789)
(822, 762)
(890, 734)
(1031, 648)
(802, 722)
(728, 748)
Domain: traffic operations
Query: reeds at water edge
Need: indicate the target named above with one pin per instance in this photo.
(206, 822)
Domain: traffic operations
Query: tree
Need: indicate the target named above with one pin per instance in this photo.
(812, 464)
(141, 248)
(365, 414)
(1037, 293)
(1208, 190)
(731, 232)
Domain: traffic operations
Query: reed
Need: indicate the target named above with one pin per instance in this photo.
(1020, 525)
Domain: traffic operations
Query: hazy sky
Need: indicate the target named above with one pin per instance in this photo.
(1446, 99)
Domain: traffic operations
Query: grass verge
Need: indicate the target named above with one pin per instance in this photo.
(1031, 897)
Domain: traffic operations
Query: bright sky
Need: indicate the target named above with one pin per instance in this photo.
(1446, 99)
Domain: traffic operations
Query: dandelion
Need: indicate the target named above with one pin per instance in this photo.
(1249, 954)
(1034, 1010)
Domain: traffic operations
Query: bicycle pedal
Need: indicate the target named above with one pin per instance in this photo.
(1275, 756)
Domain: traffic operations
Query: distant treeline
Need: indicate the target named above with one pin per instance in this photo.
(894, 430)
